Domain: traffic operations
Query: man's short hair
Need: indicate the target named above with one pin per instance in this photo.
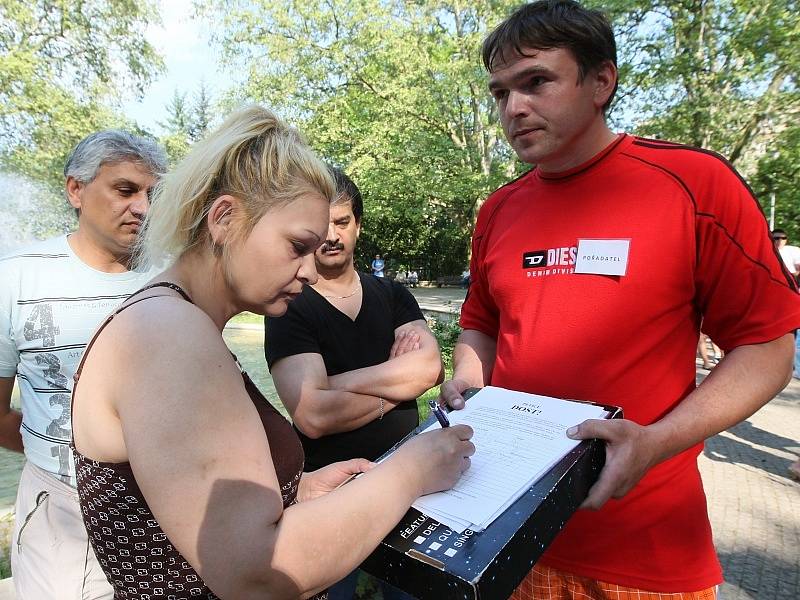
(777, 232)
(113, 146)
(550, 24)
(345, 188)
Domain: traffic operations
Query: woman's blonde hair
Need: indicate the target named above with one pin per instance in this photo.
(253, 156)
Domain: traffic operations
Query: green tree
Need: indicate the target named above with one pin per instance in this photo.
(395, 93)
(201, 113)
(777, 180)
(178, 114)
(719, 74)
(178, 125)
(64, 66)
(186, 122)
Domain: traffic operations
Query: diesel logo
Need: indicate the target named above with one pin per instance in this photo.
(531, 260)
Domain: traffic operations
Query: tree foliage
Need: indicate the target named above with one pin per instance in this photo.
(177, 140)
(201, 114)
(395, 93)
(777, 178)
(63, 67)
(187, 122)
(392, 91)
(178, 117)
(719, 74)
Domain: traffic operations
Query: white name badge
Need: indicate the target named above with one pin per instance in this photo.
(602, 257)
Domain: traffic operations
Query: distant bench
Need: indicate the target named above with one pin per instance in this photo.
(449, 280)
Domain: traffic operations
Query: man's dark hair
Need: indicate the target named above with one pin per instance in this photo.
(346, 188)
(550, 24)
(779, 232)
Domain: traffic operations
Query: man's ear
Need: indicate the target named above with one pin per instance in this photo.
(74, 192)
(220, 216)
(358, 228)
(604, 80)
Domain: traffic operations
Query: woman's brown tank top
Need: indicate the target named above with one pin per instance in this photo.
(134, 552)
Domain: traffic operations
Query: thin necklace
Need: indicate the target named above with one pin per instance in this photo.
(353, 293)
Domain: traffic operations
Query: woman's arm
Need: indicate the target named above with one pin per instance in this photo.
(203, 462)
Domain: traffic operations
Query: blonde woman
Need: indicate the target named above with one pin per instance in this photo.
(190, 483)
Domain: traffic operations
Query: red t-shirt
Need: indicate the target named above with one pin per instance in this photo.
(699, 248)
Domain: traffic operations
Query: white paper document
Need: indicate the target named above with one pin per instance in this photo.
(518, 438)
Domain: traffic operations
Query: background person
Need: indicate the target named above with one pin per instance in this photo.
(465, 279)
(377, 266)
(179, 456)
(53, 294)
(709, 361)
(791, 258)
(789, 254)
(626, 335)
(341, 355)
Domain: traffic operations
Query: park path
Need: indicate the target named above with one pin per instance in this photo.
(439, 300)
(753, 503)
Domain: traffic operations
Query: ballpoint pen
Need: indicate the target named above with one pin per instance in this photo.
(441, 416)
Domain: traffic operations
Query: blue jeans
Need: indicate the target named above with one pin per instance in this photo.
(346, 588)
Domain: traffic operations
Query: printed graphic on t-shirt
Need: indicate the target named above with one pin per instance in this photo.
(39, 327)
(551, 261)
(49, 327)
(50, 303)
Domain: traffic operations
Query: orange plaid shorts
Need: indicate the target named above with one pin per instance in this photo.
(544, 583)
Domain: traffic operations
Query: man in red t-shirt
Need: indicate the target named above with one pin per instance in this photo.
(590, 276)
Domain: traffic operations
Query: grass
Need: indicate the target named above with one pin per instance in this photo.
(248, 318)
(431, 394)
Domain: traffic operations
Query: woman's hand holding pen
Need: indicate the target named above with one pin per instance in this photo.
(437, 459)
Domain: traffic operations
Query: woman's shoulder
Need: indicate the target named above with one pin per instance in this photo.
(170, 354)
(165, 323)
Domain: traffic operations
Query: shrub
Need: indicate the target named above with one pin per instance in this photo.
(446, 332)
(6, 533)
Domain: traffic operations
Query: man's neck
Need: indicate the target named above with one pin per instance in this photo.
(97, 257)
(590, 144)
(336, 279)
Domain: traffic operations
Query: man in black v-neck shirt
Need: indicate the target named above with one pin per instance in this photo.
(352, 353)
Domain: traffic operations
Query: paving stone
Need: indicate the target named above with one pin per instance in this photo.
(753, 503)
